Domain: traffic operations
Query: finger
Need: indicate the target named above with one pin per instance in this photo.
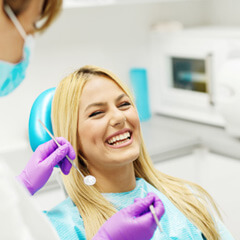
(65, 166)
(158, 205)
(139, 200)
(141, 206)
(49, 147)
(58, 155)
(159, 208)
(46, 148)
(61, 140)
(71, 152)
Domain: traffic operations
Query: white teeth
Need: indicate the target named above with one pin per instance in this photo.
(120, 137)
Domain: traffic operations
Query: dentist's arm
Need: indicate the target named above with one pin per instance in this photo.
(40, 166)
(134, 222)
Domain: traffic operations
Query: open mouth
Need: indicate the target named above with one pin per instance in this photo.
(119, 139)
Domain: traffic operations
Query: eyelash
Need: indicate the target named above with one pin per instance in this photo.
(124, 104)
(95, 114)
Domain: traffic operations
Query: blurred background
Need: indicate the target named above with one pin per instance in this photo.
(190, 53)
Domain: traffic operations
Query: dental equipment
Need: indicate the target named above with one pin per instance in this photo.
(88, 180)
(155, 217)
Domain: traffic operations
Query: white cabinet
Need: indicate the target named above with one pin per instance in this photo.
(219, 175)
(182, 167)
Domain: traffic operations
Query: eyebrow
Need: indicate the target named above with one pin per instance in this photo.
(100, 104)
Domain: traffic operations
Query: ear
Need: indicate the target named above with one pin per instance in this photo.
(41, 110)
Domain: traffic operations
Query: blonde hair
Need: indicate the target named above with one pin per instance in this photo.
(50, 10)
(191, 199)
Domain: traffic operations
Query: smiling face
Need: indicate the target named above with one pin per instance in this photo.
(108, 126)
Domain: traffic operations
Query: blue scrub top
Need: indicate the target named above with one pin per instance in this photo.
(66, 219)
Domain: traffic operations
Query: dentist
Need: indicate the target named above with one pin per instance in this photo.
(20, 217)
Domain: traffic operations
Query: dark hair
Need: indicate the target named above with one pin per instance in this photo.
(50, 10)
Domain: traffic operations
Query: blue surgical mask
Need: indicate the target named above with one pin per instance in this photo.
(11, 75)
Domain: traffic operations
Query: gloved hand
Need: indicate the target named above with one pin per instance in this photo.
(40, 166)
(134, 222)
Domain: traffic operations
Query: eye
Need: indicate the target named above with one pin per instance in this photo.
(95, 113)
(125, 104)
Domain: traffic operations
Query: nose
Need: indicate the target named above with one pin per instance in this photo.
(117, 118)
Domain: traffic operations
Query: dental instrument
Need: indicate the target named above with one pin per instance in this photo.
(88, 180)
(155, 217)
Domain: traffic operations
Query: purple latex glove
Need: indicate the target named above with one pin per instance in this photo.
(40, 167)
(134, 222)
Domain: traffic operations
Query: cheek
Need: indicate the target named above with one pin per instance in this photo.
(135, 122)
(84, 145)
(84, 137)
(90, 135)
(90, 144)
(134, 119)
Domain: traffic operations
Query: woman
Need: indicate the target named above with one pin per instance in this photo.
(18, 22)
(95, 112)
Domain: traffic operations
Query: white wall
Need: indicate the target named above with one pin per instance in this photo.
(225, 12)
(115, 37)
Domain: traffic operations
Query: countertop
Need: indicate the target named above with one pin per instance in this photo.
(167, 137)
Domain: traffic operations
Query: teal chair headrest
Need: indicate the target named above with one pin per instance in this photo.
(41, 109)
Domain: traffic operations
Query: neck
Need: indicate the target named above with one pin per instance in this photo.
(121, 179)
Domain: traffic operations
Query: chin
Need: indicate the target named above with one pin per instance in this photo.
(130, 158)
